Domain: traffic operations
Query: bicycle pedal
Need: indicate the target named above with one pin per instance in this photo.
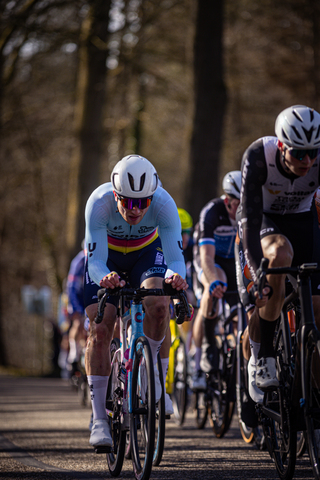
(103, 449)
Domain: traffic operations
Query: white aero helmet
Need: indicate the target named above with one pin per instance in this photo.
(231, 183)
(134, 177)
(299, 127)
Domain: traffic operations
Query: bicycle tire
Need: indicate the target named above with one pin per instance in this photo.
(281, 437)
(301, 443)
(247, 433)
(142, 421)
(160, 426)
(201, 408)
(312, 401)
(222, 389)
(114, 403)
(127, 454)
(180, 386)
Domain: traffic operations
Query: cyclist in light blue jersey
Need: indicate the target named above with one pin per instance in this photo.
(125, 220)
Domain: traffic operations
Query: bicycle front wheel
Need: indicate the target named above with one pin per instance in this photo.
(142, 420)
(312, 400)
(160, 426)
(180, 387)
(280, 436)
(114, 406)
(201, 408)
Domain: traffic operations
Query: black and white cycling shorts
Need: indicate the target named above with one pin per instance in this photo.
(301, 229)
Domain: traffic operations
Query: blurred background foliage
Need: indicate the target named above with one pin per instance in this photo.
(188, 84)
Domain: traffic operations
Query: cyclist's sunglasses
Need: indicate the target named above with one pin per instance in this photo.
(129, 203)
(300, 154)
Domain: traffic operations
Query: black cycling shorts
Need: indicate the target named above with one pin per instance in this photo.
(302, 229)
(134, 266)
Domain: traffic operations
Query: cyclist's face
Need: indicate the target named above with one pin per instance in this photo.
(298, 167)
(231, 206)
(134, 216)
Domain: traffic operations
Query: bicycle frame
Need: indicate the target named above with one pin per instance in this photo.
(137, 316)
(292, 407)
(306, 324)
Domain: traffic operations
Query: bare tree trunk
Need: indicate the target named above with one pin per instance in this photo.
(315, 15)
(210, 106)
(85, 164)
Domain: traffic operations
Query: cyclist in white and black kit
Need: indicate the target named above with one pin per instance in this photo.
(214, 265)
(277, 220)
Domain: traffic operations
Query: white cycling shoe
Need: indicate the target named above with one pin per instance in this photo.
(255, 393)
(100, 434)
(266, 377)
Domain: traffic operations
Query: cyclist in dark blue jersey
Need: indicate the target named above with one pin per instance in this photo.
(214, 265)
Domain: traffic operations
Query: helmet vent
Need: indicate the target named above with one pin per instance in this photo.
(298, 117)
(284, 134)
(311, 115)
(142, 182)
(308, 133)
(296, 132)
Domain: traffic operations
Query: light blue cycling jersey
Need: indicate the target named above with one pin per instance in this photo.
(106, 229)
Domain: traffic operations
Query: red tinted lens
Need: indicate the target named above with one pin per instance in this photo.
(130, 203)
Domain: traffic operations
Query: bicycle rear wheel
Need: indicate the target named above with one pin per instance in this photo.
(114, 405)
(280, 436)
(201, 408)
(312, 400)
(180, 386)
(142, 421)
(222, 391)
(160, 426)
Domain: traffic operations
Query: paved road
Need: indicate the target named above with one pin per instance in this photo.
(44, 435)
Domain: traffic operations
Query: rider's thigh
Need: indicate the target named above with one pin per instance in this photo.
(278, 249)
(156, 307)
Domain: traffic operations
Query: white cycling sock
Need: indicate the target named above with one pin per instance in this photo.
(197, 358)
(155, 346)
(254, 348)
(164, 364)
(98, 385)
(73, 351)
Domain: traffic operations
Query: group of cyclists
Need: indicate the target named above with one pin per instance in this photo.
(135, 233)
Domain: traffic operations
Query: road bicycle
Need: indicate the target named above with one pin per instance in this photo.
(295, 405)
(176, 380)
(130, 401)
(218, 399)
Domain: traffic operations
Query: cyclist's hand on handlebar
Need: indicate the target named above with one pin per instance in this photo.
(261, 301)
(112, 280)
(177, 282)
(217, 288)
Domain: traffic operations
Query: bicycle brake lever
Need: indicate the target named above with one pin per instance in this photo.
(261, 275)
